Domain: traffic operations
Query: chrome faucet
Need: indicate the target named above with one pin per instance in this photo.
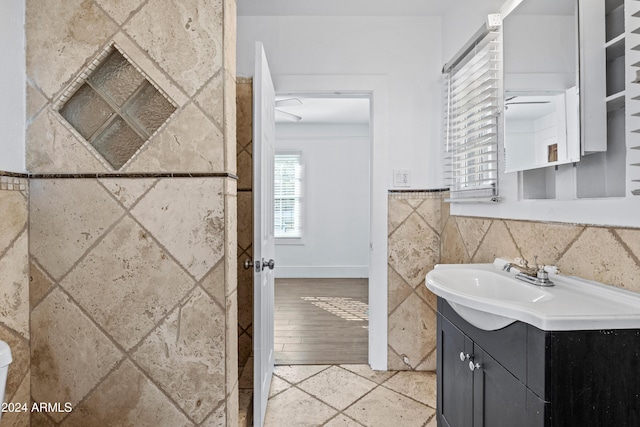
(535, 275)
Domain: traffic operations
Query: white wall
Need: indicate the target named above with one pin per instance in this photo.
(336, 201)
(12, 86)
(407, 50)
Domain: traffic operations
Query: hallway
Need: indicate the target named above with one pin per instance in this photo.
(321, 321)
(350, 395)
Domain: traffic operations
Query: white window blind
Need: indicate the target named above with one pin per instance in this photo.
(288, 195)
(473, 103)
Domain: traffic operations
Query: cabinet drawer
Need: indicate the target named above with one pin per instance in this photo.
(508, 346)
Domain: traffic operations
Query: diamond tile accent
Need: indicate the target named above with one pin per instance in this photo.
(67, 216)
(127, 283)
(190, 341)
(86, 111)
(187, 217)
(116, 109)
(123, 399)
(116, 78)
(118, 143)
(67, 368)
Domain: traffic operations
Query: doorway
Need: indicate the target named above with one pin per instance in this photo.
(322, 227)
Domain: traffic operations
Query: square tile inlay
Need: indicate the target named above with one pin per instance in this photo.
(114, 107)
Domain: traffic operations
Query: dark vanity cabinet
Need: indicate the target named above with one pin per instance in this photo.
(523, 376)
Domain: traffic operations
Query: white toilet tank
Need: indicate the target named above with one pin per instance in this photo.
(5, 360)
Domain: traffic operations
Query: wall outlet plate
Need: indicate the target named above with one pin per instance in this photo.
(401, 178)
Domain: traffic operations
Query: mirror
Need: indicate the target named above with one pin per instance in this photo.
(542, 126)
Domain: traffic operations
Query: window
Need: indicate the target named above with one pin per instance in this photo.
(288, 196)
(473, 104)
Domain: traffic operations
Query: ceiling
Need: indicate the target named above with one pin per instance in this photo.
(344, 7)
(316, 109)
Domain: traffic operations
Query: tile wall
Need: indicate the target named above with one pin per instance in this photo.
(133, 266)
(605, 254)
(422, 233)
(245, 217)
(415, 228)
(14, 292)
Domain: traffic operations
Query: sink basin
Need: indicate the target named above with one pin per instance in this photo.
(490, 298)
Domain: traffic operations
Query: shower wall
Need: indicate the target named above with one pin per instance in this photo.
(133, 251)
(14, 291)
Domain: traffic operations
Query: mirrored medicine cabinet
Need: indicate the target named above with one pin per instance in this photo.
(564, 98)
(541, 81)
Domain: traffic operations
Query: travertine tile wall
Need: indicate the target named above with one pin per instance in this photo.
(245, 217)
(14, 292)
(415, 228)
(606, 254)
(422, 233)
(134, 297)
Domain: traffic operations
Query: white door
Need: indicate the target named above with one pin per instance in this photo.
(263, 242)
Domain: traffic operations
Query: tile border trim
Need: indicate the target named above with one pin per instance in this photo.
(14, 174)
(134, 175)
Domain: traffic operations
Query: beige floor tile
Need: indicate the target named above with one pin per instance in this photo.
(278, 386)
(296, 408)
(337, 387)
(433, 422)
(343, 421)
(365, 371)
(420, 386)
(384, 407)
(296, 373)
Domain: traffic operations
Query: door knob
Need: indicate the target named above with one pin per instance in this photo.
(248, 263)
(271, 264)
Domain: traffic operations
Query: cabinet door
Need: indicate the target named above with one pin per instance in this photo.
(455, 380)
(500, 400)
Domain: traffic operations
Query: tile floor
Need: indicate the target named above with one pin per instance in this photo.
(350, 395)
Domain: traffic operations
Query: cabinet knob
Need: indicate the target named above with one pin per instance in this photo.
(464, 356)
(473, 366)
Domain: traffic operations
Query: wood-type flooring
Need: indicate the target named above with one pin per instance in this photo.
(321, 321)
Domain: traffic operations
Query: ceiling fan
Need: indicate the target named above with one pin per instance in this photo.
(289, 102)
(507, 102)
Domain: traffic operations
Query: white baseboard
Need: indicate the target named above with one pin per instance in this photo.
(321, 272)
